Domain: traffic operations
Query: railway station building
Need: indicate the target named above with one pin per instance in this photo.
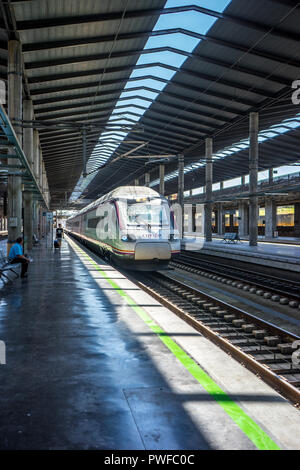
(181, 330)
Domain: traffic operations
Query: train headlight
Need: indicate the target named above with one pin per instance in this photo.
(124, 238)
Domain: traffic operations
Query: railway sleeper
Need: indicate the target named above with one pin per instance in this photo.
(248, 327)
(272, 340)
(285, 371)
(286, 348)
(259, 334)
(229, 317)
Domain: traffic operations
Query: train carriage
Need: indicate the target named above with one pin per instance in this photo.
(131, 226)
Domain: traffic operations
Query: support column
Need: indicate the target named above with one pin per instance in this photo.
(14, 184)
(181, 190)
(221, 219)
(40, 222)
(162, 180)
(44, 178)
(28, 133)
(253, 170)
(270, 175)
(35, 217)
(27, 195)
(136, 182)
(243, 219)
(147, 179)
(28, 220)
(36, 154)
(208, 189)
(243, 181)
(40, 169)
(297, 219)
(270, 217)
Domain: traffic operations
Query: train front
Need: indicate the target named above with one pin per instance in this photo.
(147, 227)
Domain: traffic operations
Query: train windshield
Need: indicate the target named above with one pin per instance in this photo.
(151, 212)
(140, 214)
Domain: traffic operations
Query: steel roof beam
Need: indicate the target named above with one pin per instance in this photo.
(64, 21)
(214, 94)
(183, 117)
(78, 86)
(138, 52)
(213, 106)
(127, 36)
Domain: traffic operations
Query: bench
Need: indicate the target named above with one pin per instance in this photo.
(231, 237)
(6, 267)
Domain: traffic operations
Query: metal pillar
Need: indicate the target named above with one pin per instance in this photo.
(44, 178)
(40, 168)
(270, 175)
(28, 133)
(270, 218)
(35, 217)
(84, 174)
(208, 189)
(147, 179)
(297, 219)
(181, 191)
(243, 181)
(36, 154)
(253, 170)
(14, 184)
(28, 220)
(221, 219)
(162, 179)
(136, 182)
(27, 195)
(40, 222)
(243, 219)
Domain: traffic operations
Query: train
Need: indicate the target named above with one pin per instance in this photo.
(131, 226)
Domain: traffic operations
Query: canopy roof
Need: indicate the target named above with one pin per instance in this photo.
(79, 56)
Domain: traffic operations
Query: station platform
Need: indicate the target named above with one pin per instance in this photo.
(93, 362)
(283, 256)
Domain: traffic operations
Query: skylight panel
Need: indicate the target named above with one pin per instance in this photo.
(190, 20)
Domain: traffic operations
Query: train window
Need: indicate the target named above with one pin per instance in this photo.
(92, 223)
(147, 213)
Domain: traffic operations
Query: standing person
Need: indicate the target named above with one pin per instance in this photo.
(59, 234)
(16, 256)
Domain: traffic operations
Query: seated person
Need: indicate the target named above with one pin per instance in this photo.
(16, 256)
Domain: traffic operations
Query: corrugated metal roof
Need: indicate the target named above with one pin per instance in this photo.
(266, 65)
(67, 78)
(76, 71)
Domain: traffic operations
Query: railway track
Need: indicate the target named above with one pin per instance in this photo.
(267, 350)
(270, 287)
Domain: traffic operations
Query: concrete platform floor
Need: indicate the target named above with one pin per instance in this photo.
(92, 362)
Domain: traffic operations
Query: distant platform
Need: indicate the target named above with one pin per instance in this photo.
(269, 253)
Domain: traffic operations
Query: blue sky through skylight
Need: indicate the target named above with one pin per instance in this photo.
(189, 20)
